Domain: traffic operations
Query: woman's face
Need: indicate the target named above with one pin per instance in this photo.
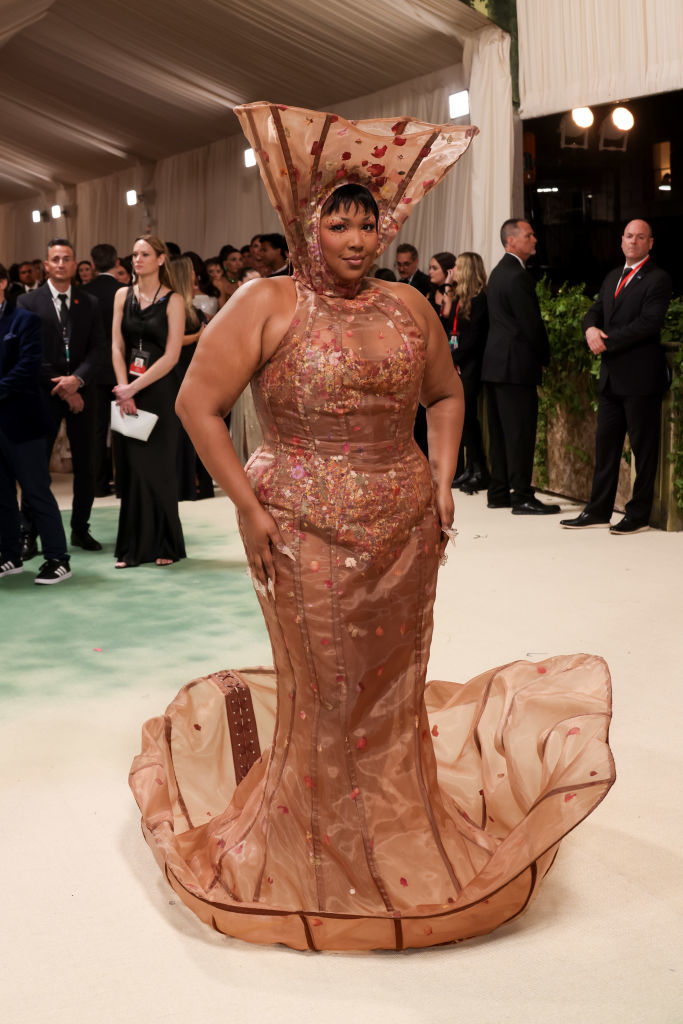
(85, 271)
(215, 271)
(145, 260)
(121, 274)
(436, 274)
(348, 239)
(233, 263)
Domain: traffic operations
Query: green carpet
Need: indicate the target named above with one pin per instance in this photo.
(146, 627)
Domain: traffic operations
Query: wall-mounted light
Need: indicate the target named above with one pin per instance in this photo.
(459, 104)
(56, 211)
(249, 158)
(615, 128)
(131, 197)
(548, 189)
(582, 117)
(623, 119)
(35, 216)
(572, 136)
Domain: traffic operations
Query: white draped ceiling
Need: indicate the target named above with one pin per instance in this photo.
(580, 52)
(103, 97)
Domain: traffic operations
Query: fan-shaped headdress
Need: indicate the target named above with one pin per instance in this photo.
(304, 155)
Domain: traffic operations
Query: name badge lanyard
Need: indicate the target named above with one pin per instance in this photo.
(453, 342)
(625, 280)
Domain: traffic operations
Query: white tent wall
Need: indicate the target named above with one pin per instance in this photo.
(596, 51)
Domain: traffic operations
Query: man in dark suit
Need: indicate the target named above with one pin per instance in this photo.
(104, 287)
(623, 328)
(73, 346)
(516, 351)
(407, 264)
(275, 253)
(24, 422)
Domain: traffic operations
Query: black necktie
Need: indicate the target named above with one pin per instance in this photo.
(625, 272)
(65, 322)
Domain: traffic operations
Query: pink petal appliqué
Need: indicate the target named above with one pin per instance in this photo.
(403, 881)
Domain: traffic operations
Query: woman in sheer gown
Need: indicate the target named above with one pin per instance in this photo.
(147, 334)
(333, 803)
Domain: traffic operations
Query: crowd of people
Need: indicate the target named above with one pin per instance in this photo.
(126, 328)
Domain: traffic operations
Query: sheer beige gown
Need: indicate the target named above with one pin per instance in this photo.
(332, 802)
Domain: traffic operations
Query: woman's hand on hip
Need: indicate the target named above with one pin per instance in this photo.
(261, 536)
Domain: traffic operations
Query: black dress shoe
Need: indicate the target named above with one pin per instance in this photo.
(534, 507)
(628, 525)
(498, 503)
(584, 520)
(477, 482)
(29, 547)
(85, 541)
(461, 478)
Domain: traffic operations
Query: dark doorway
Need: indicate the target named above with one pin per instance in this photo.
(579, 199)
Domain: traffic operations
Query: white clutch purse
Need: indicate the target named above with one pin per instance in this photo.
(139, 425)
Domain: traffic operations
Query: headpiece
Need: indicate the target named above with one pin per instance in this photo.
(304, 155)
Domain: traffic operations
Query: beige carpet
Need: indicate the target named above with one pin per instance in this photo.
(91, 933)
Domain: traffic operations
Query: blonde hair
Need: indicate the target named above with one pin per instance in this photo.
(471, 280)
(181, 271)
(165, 274)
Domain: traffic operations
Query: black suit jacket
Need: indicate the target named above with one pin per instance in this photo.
(87, 335)
(23, 412)
(104, 287)
(517, 346)
(634, 363)
(420, 281)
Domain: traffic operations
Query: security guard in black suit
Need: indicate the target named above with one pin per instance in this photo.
(623, 327)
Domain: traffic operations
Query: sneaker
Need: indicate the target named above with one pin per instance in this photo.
(11, 568)
(54, 570)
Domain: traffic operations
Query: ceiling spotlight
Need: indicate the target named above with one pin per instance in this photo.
(56, 211)
(623, 119)
(35, 216)
(131, 197)
(582, 117)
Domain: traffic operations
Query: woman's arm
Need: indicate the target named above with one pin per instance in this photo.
(443, 397)
(118, 352)
(239, 340)
(189, 339)
(175, 315)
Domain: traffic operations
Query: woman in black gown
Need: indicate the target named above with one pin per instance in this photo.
(147, 335)
(464, 314)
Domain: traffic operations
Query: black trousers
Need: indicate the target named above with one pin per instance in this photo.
(80, 432)
(512, 411)
(471, 429)
(639, 416)
(26, 462)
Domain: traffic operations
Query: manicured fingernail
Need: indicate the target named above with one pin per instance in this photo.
(271, 587)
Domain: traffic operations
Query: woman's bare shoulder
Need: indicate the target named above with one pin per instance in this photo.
(409, 296)
(274, 292)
